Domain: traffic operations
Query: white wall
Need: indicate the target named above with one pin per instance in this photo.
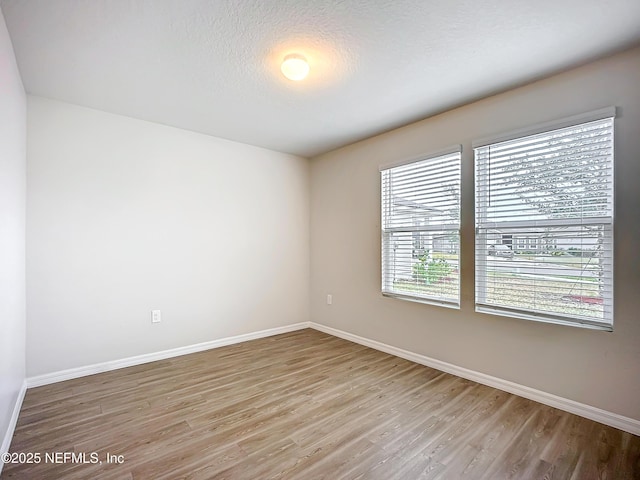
(126, 216)
(592, 367)
(13, 124)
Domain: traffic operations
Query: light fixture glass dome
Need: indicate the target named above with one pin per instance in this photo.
(295, 67)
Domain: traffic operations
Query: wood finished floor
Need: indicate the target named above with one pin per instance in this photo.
(306, 405)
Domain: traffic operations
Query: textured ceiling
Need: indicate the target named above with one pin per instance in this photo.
(213, 66)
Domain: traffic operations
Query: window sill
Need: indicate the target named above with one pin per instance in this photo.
(427, 301)
(542, 319)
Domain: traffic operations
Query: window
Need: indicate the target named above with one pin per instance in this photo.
(553, 188)
(420, 229)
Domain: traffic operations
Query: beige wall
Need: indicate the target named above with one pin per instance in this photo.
(126, 216)
(592, 367)
(13, 125)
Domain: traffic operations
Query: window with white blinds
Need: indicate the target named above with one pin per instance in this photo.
(420, 229)
(544, 224)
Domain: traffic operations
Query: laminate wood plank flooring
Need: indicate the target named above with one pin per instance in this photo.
(305, 405)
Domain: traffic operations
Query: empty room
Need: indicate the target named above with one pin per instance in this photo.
(319, 239)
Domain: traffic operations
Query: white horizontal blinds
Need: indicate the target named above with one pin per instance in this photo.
(420, 229)
(544, 224)
(561, 174)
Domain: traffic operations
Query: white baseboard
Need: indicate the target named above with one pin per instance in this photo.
(587, 411)
(71, 373)
(13, 421)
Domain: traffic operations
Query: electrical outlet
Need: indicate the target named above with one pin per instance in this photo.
(329, 299)
(156, 316)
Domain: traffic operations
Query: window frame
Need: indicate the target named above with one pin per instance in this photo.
(481, 274)
(385, 233)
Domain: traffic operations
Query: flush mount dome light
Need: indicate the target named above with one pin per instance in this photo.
(295, 67)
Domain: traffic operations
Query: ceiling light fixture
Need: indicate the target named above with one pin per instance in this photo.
(295, 67)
